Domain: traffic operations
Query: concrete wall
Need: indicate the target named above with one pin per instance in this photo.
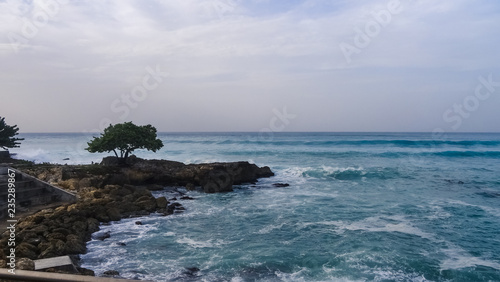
(31, 193)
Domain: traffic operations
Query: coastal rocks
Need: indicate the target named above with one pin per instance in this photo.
(25, 264)
(161, 202)
(102, 236)
(217, 180)
(27, 250)
(280, 185)
(109, 193)
(152, 174)
(66, 229)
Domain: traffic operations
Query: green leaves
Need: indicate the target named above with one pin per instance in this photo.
(125, 138)
(7, 134)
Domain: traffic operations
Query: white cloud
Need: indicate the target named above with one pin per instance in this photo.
(226, 45)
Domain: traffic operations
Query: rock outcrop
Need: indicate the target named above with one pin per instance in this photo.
(107, 192)
(153, 174)
(66, 229)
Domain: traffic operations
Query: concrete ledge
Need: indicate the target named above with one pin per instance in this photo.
(25, 275)
(52, 262)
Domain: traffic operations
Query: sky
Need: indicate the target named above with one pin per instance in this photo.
(251, 65)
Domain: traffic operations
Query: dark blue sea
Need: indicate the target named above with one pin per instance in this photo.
(360, 207)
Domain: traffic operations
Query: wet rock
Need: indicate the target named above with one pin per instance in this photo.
(92, 225)
(138, 223)
(114, 214)
(85, 271)
(111, 273)
(56, 236)
(161, 202)
(191, 271)
(102, 236)
(121, 244)
(281, 184)
(74, 245)
(217, 180)
(186, 198)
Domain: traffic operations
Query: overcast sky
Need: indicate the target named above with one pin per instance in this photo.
(250, 65)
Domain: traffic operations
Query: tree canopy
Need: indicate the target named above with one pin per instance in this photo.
(124, 138)
(7, 135)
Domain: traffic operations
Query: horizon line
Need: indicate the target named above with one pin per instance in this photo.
(281, 132)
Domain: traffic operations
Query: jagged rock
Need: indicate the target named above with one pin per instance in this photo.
(74, 245)
(281, 184)
(85, 271)
(114, 214)
(191, 271)
(186, 198)
(56, 236)
(33, 241)
(138, 223)
(216, 181)
(92, 225)
(102, 236)
(26, 250)
(25, 264)
(55, 248)
(161, 202)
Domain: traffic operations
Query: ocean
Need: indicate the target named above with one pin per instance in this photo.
(360, 207)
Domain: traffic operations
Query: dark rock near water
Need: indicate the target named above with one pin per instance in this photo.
(85, 271)
(138, 223)
(111, 273)
(191, 271)
(102, 236)
(187, 198)
(281, 184)
(161, 202)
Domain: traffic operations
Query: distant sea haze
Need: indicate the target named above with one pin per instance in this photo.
(360, 207)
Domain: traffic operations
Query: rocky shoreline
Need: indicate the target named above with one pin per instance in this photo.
(108, 192)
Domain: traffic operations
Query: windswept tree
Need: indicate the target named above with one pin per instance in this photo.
(7, 135)
(124, 138)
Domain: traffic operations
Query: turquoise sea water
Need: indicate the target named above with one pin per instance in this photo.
(360, 207)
